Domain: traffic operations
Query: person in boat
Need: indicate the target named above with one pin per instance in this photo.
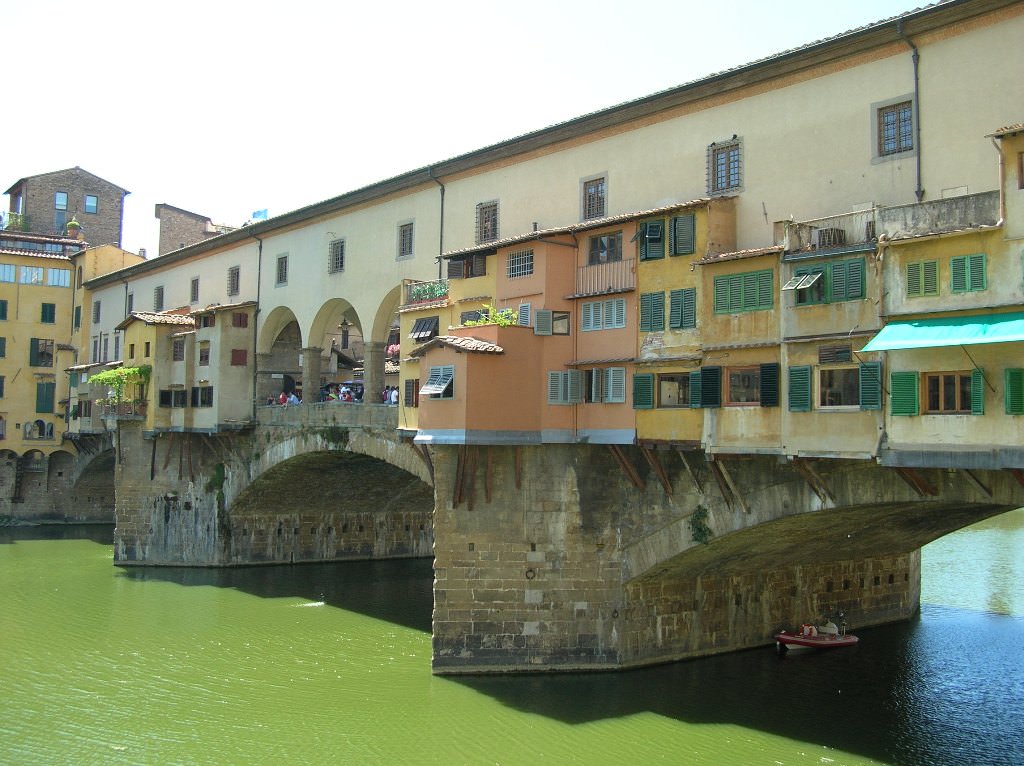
(829, 628)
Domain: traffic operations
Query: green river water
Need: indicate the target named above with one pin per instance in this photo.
(330, 664)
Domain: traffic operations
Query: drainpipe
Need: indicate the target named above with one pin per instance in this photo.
(916, 58)
(440, 236)
(1002, 182)
(255, 323)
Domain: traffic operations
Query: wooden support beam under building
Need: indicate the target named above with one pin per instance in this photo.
(730, 491)
(627, 466)
(973, 479)
(690, 470)
(814, 480)
(916, 482)
(659, 469)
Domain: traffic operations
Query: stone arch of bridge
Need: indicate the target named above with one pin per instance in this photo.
(326, 499)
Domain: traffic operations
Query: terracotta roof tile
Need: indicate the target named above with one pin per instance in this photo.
(472, 345)
(739, 255)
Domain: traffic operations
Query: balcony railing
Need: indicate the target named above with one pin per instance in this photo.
(611, 277)
(130, 409)
(851, 230)
(14, 221)
(424, 292)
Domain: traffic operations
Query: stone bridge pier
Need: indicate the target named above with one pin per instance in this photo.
(306, 484)
(596, 557)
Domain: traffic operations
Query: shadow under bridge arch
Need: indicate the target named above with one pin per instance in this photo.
(331, 506)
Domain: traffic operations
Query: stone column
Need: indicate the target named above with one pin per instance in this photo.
(265, 385)
(373, 371)
(311, 373)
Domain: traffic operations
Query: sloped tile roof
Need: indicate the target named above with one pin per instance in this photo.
(471, 345)
(739, 255)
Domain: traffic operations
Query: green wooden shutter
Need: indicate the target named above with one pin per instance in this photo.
(33, 352)
(765, 297)
(711, 387)
(647, 312)
(977, 391)
(682, 308)
(958, 273)
(914, 287)
(1014, 383)
(657, 311)
(682, 235)
(904, 393)
(722, 295)
(854, 279)
(837, 274)
(696, 386)
(750, 290)
(3, 309)
(871, 385)
(800, 389)
(976, 278)
(770, 385)
(643, 391)
(44, 396)
(930, 277)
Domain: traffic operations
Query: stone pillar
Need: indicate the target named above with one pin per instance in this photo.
(265, 385)
(373, 371)
(311, 373)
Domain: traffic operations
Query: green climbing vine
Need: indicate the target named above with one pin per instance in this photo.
(699, 529)
(117, 380)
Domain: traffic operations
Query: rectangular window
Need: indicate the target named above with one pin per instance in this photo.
(173, 397)
(31, 275)
(239, 319)
(202, 396)
(828, 283)
(594, 198)
(743, 385)
(60, 201)
(520, 264)
(952, 393)
(49, 313)
(78, 317)
(605, 248)
(281, 273)
(106, 348)
(674, 390)
(682, 235)
(725, 166)
(469, 266)
(117, 346)
(234, 280)
(565, 387)
(335, 258)
(6, 272)
(486, 222)
(193, 293)
(207, 320)
(3, 348)
(146, 349)
(839, 387)
(1, 393)
(895, 128)
(131, 350)
(158, 298)
(204, 355)
(40, 352)
(682, 308)
(3, 309)
(441, 383)
(95, 311)
(405, 240)
(58, 277)
(922, 278)
(177, 350)
(603, 315)
(751, 291)
(411, 396)
(131, 304)
(239, 357)
(652, 312)
(651, 236)
(548, 322)
(92, 204)
(968, 273)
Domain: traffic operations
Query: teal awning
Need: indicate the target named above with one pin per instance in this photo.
(949, 331)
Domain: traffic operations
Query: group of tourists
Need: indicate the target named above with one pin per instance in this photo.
(285, 398)
(340, 392)
(389, 395)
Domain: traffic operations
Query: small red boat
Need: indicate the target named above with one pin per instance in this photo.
(812, 637)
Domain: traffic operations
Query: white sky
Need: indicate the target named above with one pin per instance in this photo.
(223, 108)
